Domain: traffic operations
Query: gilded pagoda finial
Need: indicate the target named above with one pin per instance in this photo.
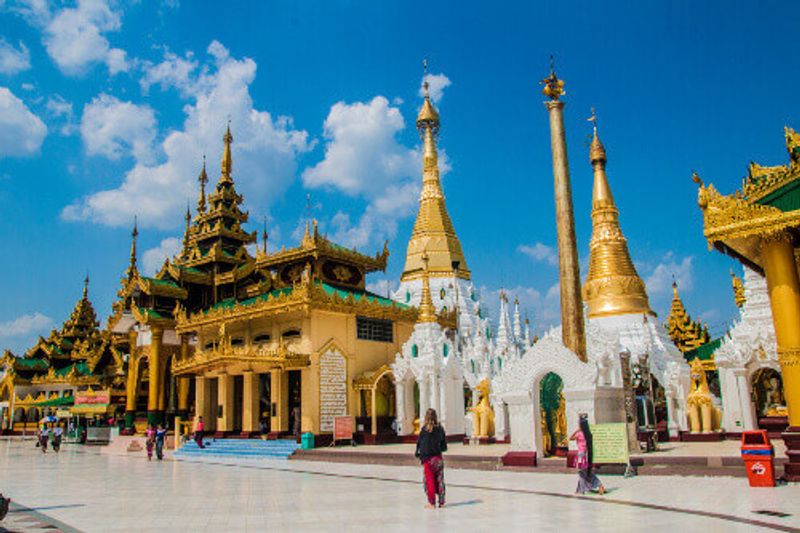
(264, 236)
(203, 179)
(738, 290)
(135, 233)
(597, 152)
(427, 312)
(553, 86)
(227, 160)
(792, 144)
(428, 117)
(187, 218)
(685, 333)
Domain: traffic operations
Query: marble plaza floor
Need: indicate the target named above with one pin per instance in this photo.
(84, 490)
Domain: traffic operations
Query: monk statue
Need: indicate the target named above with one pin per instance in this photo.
(482, 413)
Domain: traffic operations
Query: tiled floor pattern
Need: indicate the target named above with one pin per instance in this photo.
(94, 492)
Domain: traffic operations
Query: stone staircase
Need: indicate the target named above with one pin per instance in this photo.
(242, 448)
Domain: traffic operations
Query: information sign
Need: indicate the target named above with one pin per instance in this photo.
(609, 443)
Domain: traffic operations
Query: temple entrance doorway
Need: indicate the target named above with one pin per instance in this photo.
(213, 395)
(553, 415)
(770, 403)
(295, 402)
(238, 403)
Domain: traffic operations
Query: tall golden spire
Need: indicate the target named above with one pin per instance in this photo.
(427, 312)
(135, 233)
(573, 332)
(188, 218)
(203, 179)
(433, 232)
(227, 160)
(613, 287)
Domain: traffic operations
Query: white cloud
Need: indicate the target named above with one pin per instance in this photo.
(382, 287)
(173, 71)
(540, 253)
(25, 325)
(437, 83)
(13, 61)
(363, 158)
(61, 110)
(21, 132)
(264, 153)
(75, 37)
(660, 280)
(113, 129)
(153, 258)
(544, 311)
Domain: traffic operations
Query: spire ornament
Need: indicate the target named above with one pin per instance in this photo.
(132, 266)
(264, 236)
(685, 333)
(227, 159)
(427, 312)
(203, 179)
(553, 88)
(613, 287)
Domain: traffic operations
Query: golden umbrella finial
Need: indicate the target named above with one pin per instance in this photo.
(553, 87)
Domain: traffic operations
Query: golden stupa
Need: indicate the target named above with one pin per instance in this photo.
(433, 232)
(613, 287)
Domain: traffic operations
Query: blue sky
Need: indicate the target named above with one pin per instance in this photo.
(106, 108)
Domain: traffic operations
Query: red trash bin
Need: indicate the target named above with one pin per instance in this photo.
(759, 458)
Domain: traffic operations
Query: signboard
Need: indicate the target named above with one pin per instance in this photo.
(63, 413)
(89, 397)
(610, 443)
(343, 428)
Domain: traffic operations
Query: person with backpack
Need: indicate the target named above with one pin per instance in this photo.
(430, 446)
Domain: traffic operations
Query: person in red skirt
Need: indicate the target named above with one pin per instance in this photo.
(430, 446)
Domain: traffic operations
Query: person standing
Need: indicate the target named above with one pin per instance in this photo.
(150, 434)
(44, 436)
(430, 446)
(198, 432)
(587, 480)
(58, 433)
(161, 434)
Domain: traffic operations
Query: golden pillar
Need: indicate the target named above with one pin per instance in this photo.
(572, 327)
(225, 401)
(777, 255)
(250, 414)
(201, 399)
(183, 381)
(279, 396)
(163, 383)
(154, 367)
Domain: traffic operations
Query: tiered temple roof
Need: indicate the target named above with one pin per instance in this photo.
(685, 333)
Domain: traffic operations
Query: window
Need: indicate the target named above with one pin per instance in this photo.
(261, 339)
(414, 351)
(291, 334)
(373, 329)
(238, 341)
(442, 294)
(445, 350)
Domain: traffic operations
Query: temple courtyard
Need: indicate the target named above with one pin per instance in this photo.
(83, 489)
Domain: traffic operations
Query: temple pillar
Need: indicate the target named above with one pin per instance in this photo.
(183, 396)
(164, 385)
(154, 368)
(225, 402)
(279, 392)
(202, 400)
(374, 410)
(780, 268)
(400, 408)
(250, 402)
(573, 334)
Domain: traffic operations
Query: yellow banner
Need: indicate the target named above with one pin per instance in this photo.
(609, 443)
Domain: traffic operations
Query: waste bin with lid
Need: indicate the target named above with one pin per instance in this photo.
(307, 441)
(759, 458)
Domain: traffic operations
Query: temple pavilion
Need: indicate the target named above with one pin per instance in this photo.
(255, 340)
(75, 370)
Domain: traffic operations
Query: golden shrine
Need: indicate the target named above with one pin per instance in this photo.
(686, 334)
(71, 361)
(268, 342)
(758, 226)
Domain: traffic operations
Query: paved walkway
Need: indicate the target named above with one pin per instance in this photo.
(89, 491)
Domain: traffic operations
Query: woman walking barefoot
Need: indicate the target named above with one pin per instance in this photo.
(587, 480)
(161, 434)
(151, 441)
(430, 445)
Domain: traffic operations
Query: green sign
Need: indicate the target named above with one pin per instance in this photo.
(609, 443)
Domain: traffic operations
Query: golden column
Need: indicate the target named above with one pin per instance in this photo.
(780, 268)
(132, 384)
(183, 381)
(154, 366)
(572, 327)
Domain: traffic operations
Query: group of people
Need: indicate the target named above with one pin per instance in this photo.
(155, 439)
(432, 443)
(52, 435)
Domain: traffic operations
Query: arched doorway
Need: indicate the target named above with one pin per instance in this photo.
(553, 416)
(768, 393)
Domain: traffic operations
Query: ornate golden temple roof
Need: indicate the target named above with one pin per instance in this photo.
(613, 287)
(433, 231)
(685, 333)
(738, 290)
